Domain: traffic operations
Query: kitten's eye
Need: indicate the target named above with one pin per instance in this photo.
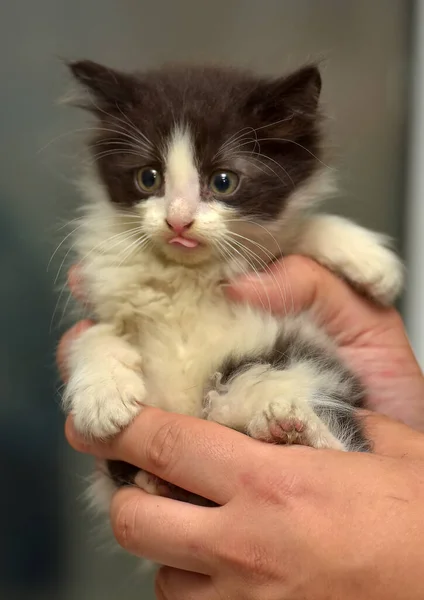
(224, 182)
(148, 179)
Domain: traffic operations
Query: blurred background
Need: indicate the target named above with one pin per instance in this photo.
(50, 548)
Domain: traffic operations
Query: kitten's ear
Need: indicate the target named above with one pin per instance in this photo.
(107, 88)
(293, 95)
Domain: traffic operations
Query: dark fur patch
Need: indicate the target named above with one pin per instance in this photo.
(121, 473)
(292, 349)
(349, 421)
(274, 125)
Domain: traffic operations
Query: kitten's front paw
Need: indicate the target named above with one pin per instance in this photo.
(284, 422)
(104, 400)
(359, 255)
(377, 271)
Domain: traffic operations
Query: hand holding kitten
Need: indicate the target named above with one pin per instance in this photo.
(290, 523)
(371, 338)
(273, 548)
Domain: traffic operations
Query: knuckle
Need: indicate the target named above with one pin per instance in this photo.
(283, 488)
(164, 446)
(124, 522)
(257, 562)
(250, 560)
(271, 486)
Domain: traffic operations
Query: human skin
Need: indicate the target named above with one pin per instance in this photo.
(293, 522)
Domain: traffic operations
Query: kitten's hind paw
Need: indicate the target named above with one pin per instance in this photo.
(287, 431)
(282, 422)
(213, 393)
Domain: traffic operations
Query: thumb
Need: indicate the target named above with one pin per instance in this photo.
(296, 284)
(392, 438)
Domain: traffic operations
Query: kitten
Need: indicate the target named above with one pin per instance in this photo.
(199, 175)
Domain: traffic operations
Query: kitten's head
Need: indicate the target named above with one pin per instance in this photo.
(210, 159)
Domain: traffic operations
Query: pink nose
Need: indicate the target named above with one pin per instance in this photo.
(178, 227)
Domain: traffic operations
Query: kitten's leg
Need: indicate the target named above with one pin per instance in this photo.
(357, 254)
(105, 387)
(295, 392)
(113, 474)
(272, 405)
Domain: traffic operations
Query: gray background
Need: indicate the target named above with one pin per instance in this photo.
(49, 546)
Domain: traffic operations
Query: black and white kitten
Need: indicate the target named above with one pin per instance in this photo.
(199, 175)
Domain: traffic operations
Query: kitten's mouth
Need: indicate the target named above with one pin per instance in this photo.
(184, 242)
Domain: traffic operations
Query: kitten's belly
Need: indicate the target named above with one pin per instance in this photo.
(182, 353)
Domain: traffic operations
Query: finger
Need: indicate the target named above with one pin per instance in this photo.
(75, 283)
(168, 532)
(197, 455)
(174, 584)
(64, 344)
(298, 284)
(392, 438)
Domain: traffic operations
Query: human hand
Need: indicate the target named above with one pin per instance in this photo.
(293, 522)
(371, 339)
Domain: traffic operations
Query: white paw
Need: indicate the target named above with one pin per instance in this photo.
(105, 399)
(377, 271)
(289, 422)
(214, 393)
(359, 255)
(218, 407)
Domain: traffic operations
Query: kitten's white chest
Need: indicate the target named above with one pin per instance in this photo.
(184, 330)
(183, 344)
(178, 320)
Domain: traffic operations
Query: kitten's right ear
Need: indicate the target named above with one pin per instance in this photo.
(295, 95)
(103, 88)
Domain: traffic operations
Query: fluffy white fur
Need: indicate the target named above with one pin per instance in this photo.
(165, 326)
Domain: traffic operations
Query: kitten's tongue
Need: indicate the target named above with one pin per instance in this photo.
(187, 243)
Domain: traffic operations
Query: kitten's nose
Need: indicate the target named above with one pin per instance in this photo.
(178, 226)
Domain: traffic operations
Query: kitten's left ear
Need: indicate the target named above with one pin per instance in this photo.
(109, 88)
(293, 95)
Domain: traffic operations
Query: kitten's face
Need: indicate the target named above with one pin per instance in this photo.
(209, 159)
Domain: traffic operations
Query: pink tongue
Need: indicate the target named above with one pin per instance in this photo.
(184, 242)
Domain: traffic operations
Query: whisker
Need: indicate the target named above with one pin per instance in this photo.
(137, 130)
(233, 140)
(133, 129)
(285, 140)
(94, 158)
(280, 251)
(107, 218)
(265, 267)
(120, 132)
(61, 244)
(138, 244)
(266, 157)
(122, 234)
(275, 123)
(250, 129)
(122, 144)
(121, 239)
(270, 255)
(246, 272)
